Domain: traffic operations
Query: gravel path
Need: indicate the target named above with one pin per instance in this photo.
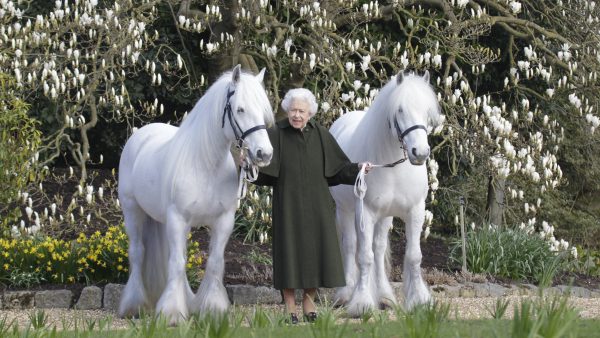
(474, 308)
(462, 308)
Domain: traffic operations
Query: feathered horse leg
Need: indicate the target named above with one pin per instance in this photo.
(134, 297)
(172, 303)
(415, 290)
(385, 293)
(212, 296)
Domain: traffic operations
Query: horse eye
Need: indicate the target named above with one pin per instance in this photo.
(240, 110)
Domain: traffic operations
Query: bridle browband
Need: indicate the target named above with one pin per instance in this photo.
(239, 134)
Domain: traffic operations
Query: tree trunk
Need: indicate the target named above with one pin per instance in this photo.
(495, 200)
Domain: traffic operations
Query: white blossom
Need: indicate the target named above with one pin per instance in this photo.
(28, 212)
(313, 59)
(462, 3)
(366, 60)
(515, 7)
(428, 218)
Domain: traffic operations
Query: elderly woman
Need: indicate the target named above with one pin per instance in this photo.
(306, 161)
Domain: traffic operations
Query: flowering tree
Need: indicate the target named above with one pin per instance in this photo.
(74, 61)
(516, 79)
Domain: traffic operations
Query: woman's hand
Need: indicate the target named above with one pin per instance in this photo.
(238, 157)
(367, 165)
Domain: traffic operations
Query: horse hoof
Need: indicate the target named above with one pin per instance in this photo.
(357, 310)
(387, 303)
(385, 306)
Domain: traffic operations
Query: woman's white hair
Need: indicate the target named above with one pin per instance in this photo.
(300, 94)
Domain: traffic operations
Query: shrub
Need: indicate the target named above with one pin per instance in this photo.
(253, 218)
(19, 140)
(510, 253)
(99, 258)
(62, 206)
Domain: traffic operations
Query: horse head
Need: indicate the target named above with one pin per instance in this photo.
(416, 113)
(247, 113)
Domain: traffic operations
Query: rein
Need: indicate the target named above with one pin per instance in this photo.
(248, 171)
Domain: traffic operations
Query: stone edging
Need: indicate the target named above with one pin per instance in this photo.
(96, 298)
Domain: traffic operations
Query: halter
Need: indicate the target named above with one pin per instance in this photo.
(248, 171)
(239, 134)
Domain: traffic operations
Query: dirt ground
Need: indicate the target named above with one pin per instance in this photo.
(244, 263)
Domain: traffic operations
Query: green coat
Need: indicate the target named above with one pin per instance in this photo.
(306, 251)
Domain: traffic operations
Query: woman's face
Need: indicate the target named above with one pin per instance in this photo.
(298, 114)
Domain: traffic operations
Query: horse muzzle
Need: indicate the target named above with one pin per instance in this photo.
(261, 157)
(418, 157)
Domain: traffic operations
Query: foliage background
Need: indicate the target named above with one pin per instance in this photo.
(517, 81)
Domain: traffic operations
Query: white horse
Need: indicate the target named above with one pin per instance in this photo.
(171, 179)
(394, 127)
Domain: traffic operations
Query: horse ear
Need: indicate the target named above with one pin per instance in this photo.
(235, 75)
(261, 75)
(426, 76)
(400, 77)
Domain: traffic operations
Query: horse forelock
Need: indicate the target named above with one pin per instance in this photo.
(416, 95)
(413, 94)
(252, 93)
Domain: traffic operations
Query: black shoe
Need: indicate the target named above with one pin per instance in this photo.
(293, 318)
(310, 317)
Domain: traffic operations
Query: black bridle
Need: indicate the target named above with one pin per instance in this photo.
(401, 134)
(248, 171)
(238, 132)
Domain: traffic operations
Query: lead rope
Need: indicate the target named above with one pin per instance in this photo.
(360, 188)
(248, 173)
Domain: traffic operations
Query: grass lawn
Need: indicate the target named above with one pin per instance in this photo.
(452, 328)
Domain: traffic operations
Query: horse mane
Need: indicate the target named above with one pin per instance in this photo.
(195, 145)
(414, 93)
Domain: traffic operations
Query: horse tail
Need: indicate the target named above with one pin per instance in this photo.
(156, 254)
